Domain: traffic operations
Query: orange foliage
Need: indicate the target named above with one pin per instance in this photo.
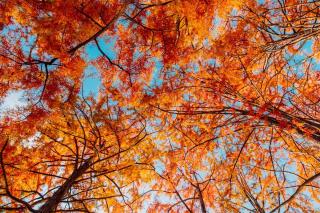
(204, 106)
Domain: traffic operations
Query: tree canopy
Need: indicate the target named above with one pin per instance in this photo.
(201, 106)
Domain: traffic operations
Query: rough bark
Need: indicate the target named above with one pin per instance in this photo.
(56, 198)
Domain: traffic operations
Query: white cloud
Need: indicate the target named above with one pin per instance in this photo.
(13, 101)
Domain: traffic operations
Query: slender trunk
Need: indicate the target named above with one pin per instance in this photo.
(202, 204)
(56, 198)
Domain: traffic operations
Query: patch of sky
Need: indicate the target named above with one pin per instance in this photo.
(206, 43)
(212, 62)
(237, 104)
(196, 129)
(123, 22)
(159, 167)
(307, 46)
(187, 97)
(12, 101)
(194, 67)
(156, 80)
(297, 61)
(106, 43)
(216, 22)
(109, 103)
(31, 141)
(9, 28)
(28, 42)
(171, 72)
(307, 49)
(92, 77)
(234, 21)
(92, 52)
(14, 32)
(219, 152)
(91, 82)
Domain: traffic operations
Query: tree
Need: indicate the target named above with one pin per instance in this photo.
(203, 106)
(81, 155)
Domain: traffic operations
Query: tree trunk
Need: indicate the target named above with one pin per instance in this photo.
(56, 198)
